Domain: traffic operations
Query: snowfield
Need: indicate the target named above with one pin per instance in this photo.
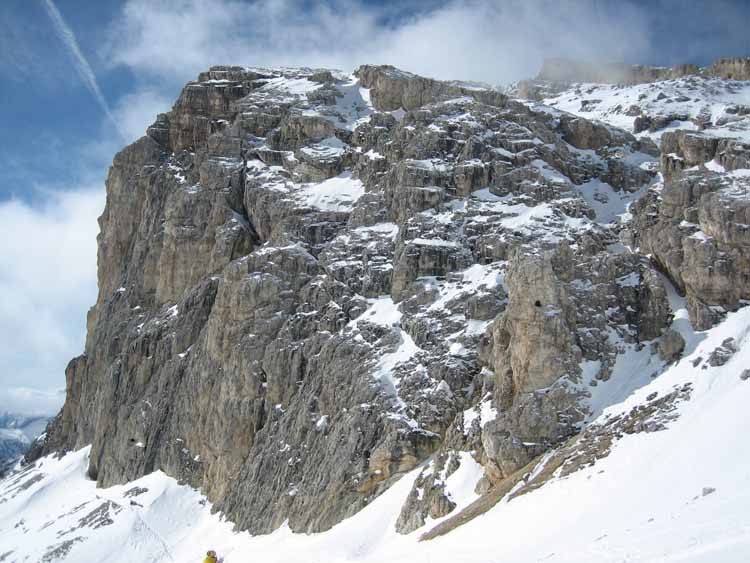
(679, 494)
(339, 193)
(682, 100)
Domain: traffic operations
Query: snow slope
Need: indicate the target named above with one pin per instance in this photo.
(679, 494)
(339, 193)
(694, 99)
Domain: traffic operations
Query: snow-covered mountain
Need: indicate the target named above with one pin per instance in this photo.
(340, 314)
(649, 102)
(17, 432)
(23, 420)
(669, 484)
(716, 106)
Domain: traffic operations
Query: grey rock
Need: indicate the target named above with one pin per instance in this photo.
(670, 345)
(731, 68)
(428, 498)
(722, 354)
(394, 89)
(567, 70)
(684, 149)
(695, 229)
(585, 134)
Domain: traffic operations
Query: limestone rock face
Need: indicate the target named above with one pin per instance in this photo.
(584, 134)
(646, 101)
(558, 317)
(695, 225)
(731, 68)
(311, 283)
(534, 337)
(393, 89)
(567, 70)
(429, 498)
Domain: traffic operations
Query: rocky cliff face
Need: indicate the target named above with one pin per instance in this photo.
(693, 222)
(312, 282)
(696, 223)
(567, 70)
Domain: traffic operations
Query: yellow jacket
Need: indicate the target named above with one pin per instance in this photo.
(210, 559)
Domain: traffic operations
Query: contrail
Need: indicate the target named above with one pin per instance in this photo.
(82, 66)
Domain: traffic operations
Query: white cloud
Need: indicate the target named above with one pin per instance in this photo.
(48, 281)
(136, 111)
(30, 402)
(490, 41)
(506, 41)
(178, 37)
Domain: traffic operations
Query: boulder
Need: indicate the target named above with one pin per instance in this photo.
(670, 345)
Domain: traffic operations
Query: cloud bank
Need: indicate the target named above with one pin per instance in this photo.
(31, 402)
(48, 281)
(489, 41)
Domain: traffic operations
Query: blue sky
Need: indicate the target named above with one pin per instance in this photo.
(57, 140)
(46, 109)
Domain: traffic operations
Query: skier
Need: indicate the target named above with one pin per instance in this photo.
(211, 557)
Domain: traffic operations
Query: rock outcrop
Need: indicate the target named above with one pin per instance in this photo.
(394, 89)
(734, 68)
(646, 100)
(558, 73)
(567, 70)
(695, 225)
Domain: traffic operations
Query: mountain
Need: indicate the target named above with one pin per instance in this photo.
(356, 310)
(660, 477)
(13, 444)
(28, 411)
(17, 432)
(649, 102)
